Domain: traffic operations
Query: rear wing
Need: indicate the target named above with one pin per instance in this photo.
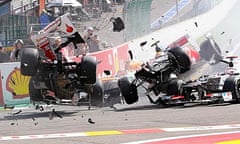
(61, 24)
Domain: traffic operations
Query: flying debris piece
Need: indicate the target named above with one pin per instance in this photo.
(39, 107)
(130, 54)
(35, 122)
(222, 33)
(196, 24)
(17, 112)
(118, 24)
(143, 43)
(55, 113)
(14, 123)
(90, 121)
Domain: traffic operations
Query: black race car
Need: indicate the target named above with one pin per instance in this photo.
(156, 76)
(159, 77)
(217, 88)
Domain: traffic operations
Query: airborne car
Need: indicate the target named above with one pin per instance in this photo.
(159, 77)
(53, 76)
(156, 75)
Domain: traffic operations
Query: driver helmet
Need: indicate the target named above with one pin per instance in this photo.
(19, 41)
(90, 28)
(209, 35)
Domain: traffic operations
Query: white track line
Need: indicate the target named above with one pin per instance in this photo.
(178, 137)
(107, 133)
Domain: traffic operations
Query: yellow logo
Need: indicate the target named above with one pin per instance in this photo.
(17, 84)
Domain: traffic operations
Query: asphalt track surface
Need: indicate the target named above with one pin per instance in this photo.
(126, 123)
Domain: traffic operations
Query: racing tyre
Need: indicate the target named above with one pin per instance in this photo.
(87, 70)
(180, 59)
(35, 94)
(29, 61)
(208, 49)
(232, 84)
(128, 90)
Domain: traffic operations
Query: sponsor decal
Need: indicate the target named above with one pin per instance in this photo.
(17, 84)
(69, 29)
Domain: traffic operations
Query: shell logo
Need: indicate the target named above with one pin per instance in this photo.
(17, 84)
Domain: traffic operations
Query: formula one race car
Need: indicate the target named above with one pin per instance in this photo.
(156, 76)
(217, 88)
(53, 76)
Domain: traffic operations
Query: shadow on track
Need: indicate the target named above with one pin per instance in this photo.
(45, 114)
(124, 107)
